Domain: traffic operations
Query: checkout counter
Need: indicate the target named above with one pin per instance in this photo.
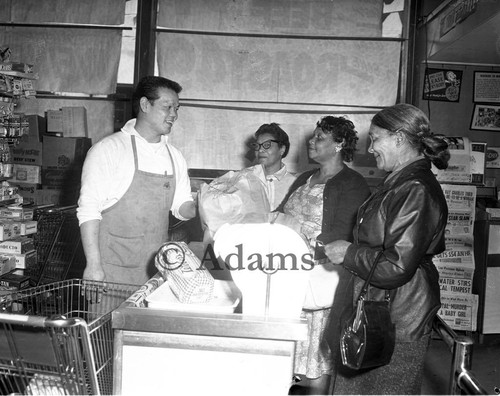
(170, 351)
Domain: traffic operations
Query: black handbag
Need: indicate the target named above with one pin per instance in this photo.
(368, 336)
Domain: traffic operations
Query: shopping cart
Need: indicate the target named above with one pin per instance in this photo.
(58, 244)
(57, 338)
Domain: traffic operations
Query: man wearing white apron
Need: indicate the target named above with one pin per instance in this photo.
(130, 181)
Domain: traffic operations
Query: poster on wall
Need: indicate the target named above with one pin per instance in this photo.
(458, 170)
(485, 117)
(442, 85)
(493, 157)
(487, 87)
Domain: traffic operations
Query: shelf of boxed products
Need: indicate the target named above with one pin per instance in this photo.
(12, 127)
(16, 79)
(17, 248)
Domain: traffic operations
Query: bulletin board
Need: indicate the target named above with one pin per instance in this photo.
(486, 87)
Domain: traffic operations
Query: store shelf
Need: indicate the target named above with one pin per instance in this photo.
(30, 76)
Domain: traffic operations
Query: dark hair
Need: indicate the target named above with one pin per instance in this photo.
(342, 130)
(148, 87)
(277, 133)
(415, 125)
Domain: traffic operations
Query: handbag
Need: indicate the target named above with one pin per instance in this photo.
(368, 336)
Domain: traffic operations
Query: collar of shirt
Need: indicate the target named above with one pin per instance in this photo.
(259, 170)
(129, 128)
(278, 175)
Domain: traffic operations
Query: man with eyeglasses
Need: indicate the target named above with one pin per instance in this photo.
(271, 146)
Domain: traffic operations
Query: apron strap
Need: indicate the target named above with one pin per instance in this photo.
(134, 150)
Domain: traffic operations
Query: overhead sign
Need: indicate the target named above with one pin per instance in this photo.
(459, 10)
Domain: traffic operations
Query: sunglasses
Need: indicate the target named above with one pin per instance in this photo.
(265, 145)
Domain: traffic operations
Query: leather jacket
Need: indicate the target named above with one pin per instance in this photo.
(405, 217)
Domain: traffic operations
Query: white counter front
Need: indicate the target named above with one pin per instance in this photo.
(158, 351)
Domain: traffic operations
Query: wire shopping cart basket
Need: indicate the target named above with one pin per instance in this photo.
(58, 244)
(57, 338)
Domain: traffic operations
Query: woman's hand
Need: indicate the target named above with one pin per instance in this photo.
(336, 250)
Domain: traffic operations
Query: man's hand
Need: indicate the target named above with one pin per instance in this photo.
(94, 273)
(188, 210)
(92, 292)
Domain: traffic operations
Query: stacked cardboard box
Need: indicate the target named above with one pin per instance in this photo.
(27, 159)
(14, 280)
(22, 255)
(17, 249)
(18, 245)
(62, 163)
(67, 122)
(47, 168)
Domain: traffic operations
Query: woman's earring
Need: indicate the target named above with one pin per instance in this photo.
(338, 149)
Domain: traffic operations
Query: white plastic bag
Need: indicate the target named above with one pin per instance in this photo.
(323, 281)
(229, 198)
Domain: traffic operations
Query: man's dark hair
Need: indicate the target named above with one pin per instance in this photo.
(148, 87)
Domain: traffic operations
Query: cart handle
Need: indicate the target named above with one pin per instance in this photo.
(61, 209)
(42, 321)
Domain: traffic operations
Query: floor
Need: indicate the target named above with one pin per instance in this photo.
(485, 367)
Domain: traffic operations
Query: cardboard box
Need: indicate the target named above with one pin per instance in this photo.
(74, 121)
(29, 227)
(37, 127)
(9, 229)
(17, 213)
(27, 152)
(62, 179)
(70, 121)
(15, 279)
(55, 178)
(7, 264)
(28, 192)
(48, 196)
(18, 245)
(24, 260)
(61, 153)
(27, 174)
(54, 121)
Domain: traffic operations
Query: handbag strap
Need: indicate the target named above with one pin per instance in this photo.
(364, 290)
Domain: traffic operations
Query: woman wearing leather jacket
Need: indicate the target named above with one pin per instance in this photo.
(405, 218)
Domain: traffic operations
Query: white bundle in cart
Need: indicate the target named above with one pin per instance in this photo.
(189, 280)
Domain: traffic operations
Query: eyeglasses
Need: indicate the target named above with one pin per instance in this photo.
(265, 145)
